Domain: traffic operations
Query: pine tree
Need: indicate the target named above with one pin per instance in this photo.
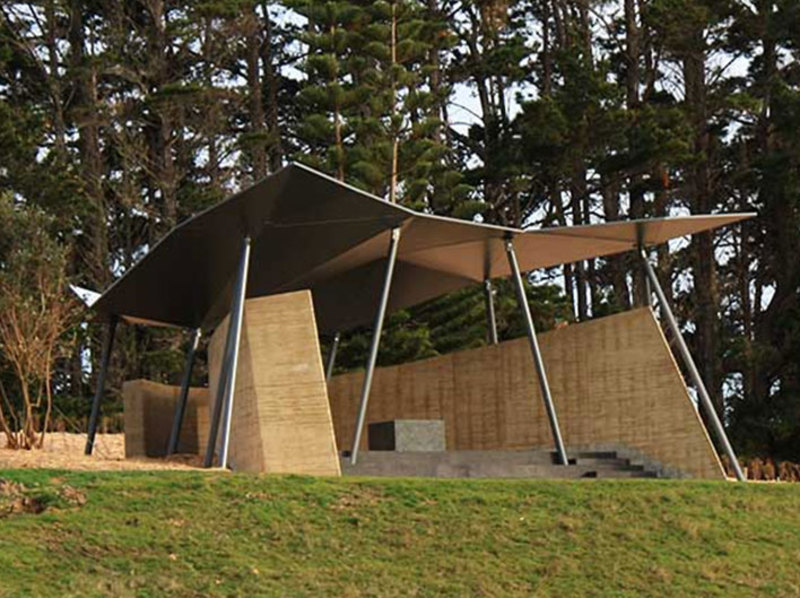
(762, 278)
(328, 95)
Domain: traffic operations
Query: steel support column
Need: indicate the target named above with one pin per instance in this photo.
(491, 319)
(180, 406)
(702, 392)
(332, 357)
(227, 376)
(537, 355)
(376, 339)
(105, 359)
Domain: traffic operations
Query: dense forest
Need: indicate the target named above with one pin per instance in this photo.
(120, 119)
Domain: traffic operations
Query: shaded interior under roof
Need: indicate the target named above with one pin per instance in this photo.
(311, 231)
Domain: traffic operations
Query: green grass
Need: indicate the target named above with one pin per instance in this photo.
(195, 534)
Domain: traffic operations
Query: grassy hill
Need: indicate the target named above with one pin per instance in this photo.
(195, 534)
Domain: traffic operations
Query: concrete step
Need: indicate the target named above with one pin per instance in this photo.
(592, 454)
(618, 462)
(493, 464)
(459, 457)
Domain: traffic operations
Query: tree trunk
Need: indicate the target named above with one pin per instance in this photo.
(701, 197)
(616, 263)
(54, 81)
(94, 250)
(635, 184)
(271, 82)
(577, 194)
(661, 176)
(547, 54)
(162, 128)
(258, 149)
(394, 132)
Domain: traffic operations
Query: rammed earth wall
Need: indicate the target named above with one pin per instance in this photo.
(613, 379)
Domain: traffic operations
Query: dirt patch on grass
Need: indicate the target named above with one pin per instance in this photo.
(365, 497)
(14, 500)
(72, 496)
(18, 499)
(8, 488)
(63, 450)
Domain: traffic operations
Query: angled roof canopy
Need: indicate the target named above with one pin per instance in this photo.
(309, 230)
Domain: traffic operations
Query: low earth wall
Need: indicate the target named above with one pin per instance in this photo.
(614, 381)
(149, 413)
(281, 416)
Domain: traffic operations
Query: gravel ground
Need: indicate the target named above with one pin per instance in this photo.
(63, 450)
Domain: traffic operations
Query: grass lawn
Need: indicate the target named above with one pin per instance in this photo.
(197, 534)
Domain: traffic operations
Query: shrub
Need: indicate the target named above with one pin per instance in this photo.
(35, 312)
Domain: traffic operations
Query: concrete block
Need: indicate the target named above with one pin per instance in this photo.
(407, 435)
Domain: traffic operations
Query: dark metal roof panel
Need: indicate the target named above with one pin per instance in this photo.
(312, 231)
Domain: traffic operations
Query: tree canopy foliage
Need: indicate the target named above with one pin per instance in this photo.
(120, 119)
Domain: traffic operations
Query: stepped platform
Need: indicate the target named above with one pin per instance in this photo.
(534, 464)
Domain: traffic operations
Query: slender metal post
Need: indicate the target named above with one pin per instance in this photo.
(227, 379)
(376, 339)
(237, 317)
(537, 355)
(491, 319)
(180, 406)
(702, 392)
(332, 357)
(216, 413)
(101, 383)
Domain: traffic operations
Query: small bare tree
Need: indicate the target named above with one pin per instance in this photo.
(35, 313)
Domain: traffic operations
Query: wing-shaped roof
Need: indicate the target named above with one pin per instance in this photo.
(309, 230)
